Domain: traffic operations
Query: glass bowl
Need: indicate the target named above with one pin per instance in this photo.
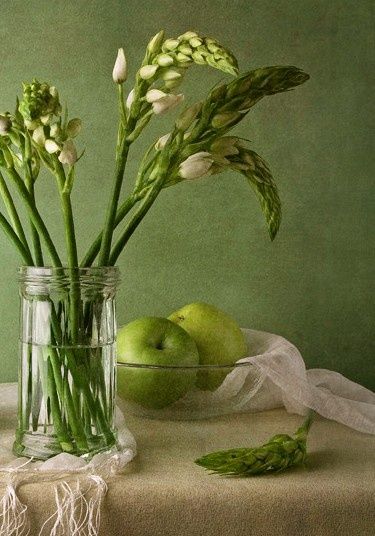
(186, 393)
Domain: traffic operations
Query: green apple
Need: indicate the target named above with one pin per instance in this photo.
(155, 341)
(219, 339)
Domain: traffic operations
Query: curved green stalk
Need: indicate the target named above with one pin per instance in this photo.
(13, 214)
(124, 209)
(35, 216)
(12, 236)
(105, 248)
(138, 216)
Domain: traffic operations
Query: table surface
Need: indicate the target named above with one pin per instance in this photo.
(162, 492)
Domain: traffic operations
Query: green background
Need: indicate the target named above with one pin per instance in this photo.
(206, 240)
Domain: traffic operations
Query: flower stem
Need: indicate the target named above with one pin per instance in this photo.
(124, 209)
(109, 225)
(145, 206)
(12, 211)
(12, 236)
(34, 215)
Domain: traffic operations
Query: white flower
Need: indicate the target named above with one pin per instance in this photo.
(68, 154)
(161, 143)
(162, 102)
(147, 71)
(39, 136)
(55, 130)
(196, 165)
(130, 99)
(120, 69)
(51, 146)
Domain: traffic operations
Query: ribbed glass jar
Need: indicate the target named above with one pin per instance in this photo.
(67, 362)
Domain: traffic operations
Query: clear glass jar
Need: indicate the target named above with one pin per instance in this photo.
(67, 363)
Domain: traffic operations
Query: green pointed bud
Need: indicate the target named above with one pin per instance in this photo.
(182, 58)
(195, 42)
(154, 46)
(172, 84)
(225, 119)
(74, 127)
(164, 60)
(226, 146)
(212, 45)
(5, 125)
(171, 75)
(199, 58)
(31, 125)
(187, 35)
(218, 93)
(185, 49)
(161, 143)
(8, 157)
(170, 44)
(188, 116)
(148, 71)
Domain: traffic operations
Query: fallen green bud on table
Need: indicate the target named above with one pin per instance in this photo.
(282, 451)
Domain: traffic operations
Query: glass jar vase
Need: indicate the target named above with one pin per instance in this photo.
(67, 362)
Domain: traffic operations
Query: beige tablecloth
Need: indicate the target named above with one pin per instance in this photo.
(163, 493)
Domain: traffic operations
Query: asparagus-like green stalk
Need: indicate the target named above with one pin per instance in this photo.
(281, 451)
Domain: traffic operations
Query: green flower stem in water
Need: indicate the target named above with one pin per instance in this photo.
(281, 452)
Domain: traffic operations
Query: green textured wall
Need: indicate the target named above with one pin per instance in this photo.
(206, 240)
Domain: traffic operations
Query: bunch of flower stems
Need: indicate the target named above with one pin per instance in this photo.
(39, 134)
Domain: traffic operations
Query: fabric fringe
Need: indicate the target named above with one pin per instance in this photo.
(13, 514)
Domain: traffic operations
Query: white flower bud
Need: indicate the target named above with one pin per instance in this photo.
(39, 136)
(166, 103)
(196, 166)
(53, 91)
(74, 127)
(161, 143)
(5, 125)
(164, 60)
(148, 71)
(155, 94)
(68, 154)
(120, 69)
(130, 99)
(46, 119)
(51, 146)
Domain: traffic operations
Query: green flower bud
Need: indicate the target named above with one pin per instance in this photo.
(225, 119)
(182, 58)
(185, 49)
(40, 100)
(195, 42)
(187, 35)
(188, 116)
(148, 71)
(74, 127)
(171, 75)
(170, 44)
(164, 60)
(155, 44)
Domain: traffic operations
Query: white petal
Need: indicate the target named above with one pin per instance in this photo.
(160, 144)
(130, 99)
(68, 154)
(166, 103)
(38, 136)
